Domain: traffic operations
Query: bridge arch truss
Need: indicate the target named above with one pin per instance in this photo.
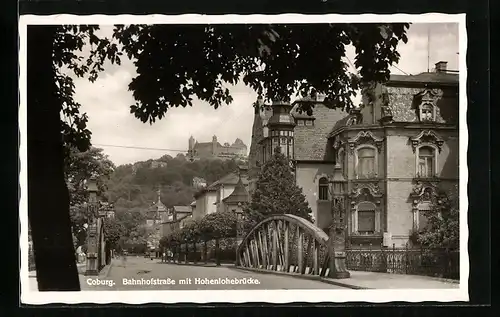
(285, 243)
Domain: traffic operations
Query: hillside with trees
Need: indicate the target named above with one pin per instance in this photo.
(132, 189)
(135, 185)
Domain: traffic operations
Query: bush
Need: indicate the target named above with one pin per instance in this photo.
(443, 226)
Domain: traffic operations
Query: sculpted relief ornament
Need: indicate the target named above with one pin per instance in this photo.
(430, 96)
(365, 192)
(427, 107)
(426, 137)
(426, 192)
(365, 137)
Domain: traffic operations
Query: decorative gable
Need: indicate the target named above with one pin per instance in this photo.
(427, 104)
(426, 137)
(365, 137)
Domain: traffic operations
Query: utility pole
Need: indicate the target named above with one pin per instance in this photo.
(428, 47)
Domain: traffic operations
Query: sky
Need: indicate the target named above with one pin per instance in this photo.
(117, 131)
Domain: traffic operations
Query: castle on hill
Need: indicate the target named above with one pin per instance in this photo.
(215, 150)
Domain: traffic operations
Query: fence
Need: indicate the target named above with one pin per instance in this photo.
(430, 262)
(226, 252)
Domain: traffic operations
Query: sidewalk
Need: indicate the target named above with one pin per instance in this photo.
(33, 286)
(374, 280)
(209, 264)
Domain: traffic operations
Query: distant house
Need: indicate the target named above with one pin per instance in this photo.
(199, 183)
(156, 212)
(237, 198)
(158, 164)
(210, 198)
(176, 218)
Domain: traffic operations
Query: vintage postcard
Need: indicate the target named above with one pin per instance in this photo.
(243, 158)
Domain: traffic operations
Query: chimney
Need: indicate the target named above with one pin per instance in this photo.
(441, 67)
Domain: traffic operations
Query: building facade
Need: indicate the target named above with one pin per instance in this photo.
(156, 214)
(215, 150)
(176, 218)
(210, 199)
(304, 139)
(396, 155)
(239, 196)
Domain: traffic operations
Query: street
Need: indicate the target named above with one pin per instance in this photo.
(129, 275)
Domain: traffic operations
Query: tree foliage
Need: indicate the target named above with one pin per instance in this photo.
(218, 225)
(138, 184)
(276, 193)
(178, 62)
(80, 167)
(113, 232)
(213, 226)
(443, 225)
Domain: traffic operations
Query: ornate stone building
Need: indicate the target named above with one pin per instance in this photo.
(215, 150)
(156, 214)
(395, 155)
(304, 139)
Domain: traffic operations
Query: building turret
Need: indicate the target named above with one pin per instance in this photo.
(191, 143)
(214, 145)
(191, 152)
(281, 126)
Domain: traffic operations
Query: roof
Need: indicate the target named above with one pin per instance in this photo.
(311, 141)
(238, 195)
(179, 218)
(193, 203)
(341, 123)
(229, 179)
(427, 77)
(182, 209)
(203, 145)
(300, 115)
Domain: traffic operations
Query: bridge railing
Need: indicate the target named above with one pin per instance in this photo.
(285, 243)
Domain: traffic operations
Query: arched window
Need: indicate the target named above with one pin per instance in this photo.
(366, 218)
(426, 112)
(426, 162)
(323, 188)
(366, 163)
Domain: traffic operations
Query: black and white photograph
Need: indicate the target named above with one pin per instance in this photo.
(243, 158)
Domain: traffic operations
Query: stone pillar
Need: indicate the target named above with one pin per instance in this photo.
(92, 234)
(336, 244)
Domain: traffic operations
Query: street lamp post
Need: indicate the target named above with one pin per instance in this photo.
(239, 231)
(337, 265)
(92, 235)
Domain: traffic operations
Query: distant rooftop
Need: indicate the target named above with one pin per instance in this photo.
(427, 77)
(182, 209)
